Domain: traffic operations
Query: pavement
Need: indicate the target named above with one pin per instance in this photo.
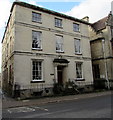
(8, 102)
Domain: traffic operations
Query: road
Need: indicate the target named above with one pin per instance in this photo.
(95, 107)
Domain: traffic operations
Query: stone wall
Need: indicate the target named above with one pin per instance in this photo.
(0, 80)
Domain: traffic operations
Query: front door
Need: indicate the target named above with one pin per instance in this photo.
(60, 74)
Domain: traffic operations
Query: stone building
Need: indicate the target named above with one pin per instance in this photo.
(41, 47)
(102, 51)
(0, 80)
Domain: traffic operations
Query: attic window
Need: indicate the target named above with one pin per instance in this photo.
(58, 22)
(36, 17)
(76, 27)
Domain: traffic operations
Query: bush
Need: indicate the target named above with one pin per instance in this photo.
(70, 88)
(58, 88)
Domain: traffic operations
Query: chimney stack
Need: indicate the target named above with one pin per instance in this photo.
(86, 18)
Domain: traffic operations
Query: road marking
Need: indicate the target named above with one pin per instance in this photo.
(20, 109)
(9, 111)
(25, 109)
(40, 108)
(47, 113)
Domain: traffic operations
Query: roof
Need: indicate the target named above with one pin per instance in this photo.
(34, 7)
(47, 11)
(101, 24)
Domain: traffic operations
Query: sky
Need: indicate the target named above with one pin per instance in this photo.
(95, 9)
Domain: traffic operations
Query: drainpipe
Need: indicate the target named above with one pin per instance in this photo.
(106, 71)
(55, 74)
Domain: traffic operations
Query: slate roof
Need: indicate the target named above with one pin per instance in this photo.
(99, 25)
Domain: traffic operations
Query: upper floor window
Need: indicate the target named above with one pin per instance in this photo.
(36, 39)
(58, 22)
(36, 17)
(36, 70)
(77, 46)
(59, 43)
(76, 27)
(79, 70)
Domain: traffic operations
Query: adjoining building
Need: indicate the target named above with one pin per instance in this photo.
(0, 80)
(102, 52)
(41, 47)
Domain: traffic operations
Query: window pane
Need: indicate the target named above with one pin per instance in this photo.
(77, 46)
(58, 22)
(79, 70)
(59, 43)
(36, 42)
(37, 70)
(36, 17)
(75, 27)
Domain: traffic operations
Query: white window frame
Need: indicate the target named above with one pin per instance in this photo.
(59, 43)
(58, 22)
(37, 80)
(76, 27)
(77, 46)
(36, 17)
(37, 39)
(79, 78)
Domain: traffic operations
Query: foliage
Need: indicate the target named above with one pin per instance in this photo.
(68, 89)
(58, 88)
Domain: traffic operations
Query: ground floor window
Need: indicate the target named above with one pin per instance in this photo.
(37, 70)
(79, 70)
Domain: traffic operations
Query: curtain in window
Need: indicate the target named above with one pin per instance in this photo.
(79, 70)
(59, 43)
(75, 27)
(36, 40)
(77, 46)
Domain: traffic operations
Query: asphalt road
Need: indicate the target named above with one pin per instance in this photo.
(95, 107)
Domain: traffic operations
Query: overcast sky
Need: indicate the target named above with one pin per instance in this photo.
(95, 9)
